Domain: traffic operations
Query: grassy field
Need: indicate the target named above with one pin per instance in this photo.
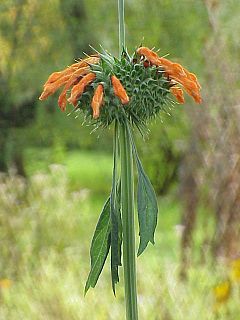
(46, 229)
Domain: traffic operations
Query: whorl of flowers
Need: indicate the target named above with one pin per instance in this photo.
(138, 87)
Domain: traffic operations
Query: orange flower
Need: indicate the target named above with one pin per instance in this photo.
(62, 100)
(71, 69)
(59, 74)
(177, 73)
(150, 55)
(78, 76)
(192, 89)
(51, 88)
(67, 77)
(178, 93)
(192, 77)
(119, 91)
(79, 88)
(165, 63)
(178, 70)
(97, 101)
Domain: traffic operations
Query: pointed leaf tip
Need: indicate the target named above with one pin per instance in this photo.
(99, 247)
(147, 209)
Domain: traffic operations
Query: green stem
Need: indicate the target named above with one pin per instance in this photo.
(127, 196)
(121, 25)
(127, 200)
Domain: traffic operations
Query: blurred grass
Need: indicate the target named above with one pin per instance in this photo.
(46, 229)
(91, 170)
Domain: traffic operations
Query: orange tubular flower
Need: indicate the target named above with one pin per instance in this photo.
(67, 77)
(150, 55)
(97, 101)
(119, 91)
(178, 93)
(62, 100)
(51, 88)
(59, 74)
(79, 88)
(175, 72)
(192, 89)
(192, 77)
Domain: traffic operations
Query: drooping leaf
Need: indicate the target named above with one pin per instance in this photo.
(100, 246)
(147, 208)
(146, 203)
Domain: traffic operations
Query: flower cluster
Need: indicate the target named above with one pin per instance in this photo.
(102, 84)
(73, 76)
(177, 73)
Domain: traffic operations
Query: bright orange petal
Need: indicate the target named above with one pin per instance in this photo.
(150, 55)
(119, 90)
(62, 100)
(178, 73)
(93, 59)
(178, 93)
(97, 101)
(59, 78)
(54, 77)
(51, 88)
(192, 89)
(58, 75)
(165, 62)
(193, 77)
(79, 88)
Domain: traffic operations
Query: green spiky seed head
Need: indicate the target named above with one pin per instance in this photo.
(146, 87)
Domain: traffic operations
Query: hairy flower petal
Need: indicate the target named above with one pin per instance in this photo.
(150, 55)
(176, 72)
(79, 88)
(51, 88)
(178, 93)
(119, 91)
(97, 101)
(165, 63)
(192, 89)
(192, 77)
(62, 99)
(60, 78)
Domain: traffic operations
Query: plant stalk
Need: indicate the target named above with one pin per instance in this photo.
(121, 25)
(127, 197)
(127, 200)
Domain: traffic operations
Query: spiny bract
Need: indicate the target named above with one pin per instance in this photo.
(146, 87)
(132, 88)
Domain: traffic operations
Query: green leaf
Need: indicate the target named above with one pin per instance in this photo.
(146, 202)
(147, 208)
(100, 246)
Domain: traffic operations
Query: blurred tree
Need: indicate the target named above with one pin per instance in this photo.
(224, 158)
(179, 29)
(13, 113)
(214, 165)
(31, 45)
(77, 26)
